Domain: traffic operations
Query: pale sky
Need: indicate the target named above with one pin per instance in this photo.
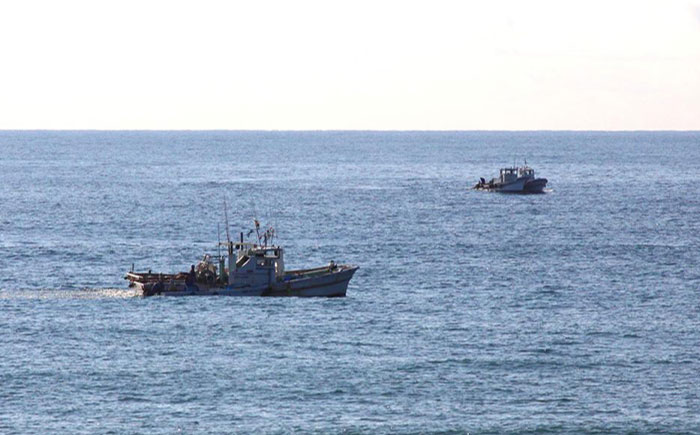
(377, 65)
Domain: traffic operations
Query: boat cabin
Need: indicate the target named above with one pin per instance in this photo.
(526, 171)
(253, 265)
(508, 175)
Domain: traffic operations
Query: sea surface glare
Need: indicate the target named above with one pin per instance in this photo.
(573, 311)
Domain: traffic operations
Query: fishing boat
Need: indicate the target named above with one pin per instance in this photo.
(514, 179)
(246, 269)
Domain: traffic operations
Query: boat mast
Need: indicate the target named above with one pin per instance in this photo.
(229, 247)
(228, 236)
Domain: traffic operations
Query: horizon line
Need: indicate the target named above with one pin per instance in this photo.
(353, 130)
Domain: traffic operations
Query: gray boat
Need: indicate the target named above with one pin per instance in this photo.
(515, 179)
(247, 269)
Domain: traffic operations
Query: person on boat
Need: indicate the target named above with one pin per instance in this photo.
(159, 286)
(190, 281)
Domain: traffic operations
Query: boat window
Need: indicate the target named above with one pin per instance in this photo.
(243, 260)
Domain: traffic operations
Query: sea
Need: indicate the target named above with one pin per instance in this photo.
(574, 311)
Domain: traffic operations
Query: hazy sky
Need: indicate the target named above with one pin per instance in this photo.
(609, 65)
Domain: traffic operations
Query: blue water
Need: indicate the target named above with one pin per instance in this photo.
(573, 311)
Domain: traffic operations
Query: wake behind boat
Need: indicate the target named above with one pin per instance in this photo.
(254, 269)
(514, 180)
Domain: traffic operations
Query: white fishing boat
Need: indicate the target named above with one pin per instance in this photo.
(515, 179)
(247, 269)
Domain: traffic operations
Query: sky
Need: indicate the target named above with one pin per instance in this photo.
(350, 65)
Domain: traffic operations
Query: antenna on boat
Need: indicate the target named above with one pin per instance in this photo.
(255, 221)
(257, 228)
(274, 227)
(229, 245)
(228, 235)
(218, 236)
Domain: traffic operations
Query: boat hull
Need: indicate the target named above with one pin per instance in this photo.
(333, 284)
(535, 186)
(320, 282)
(521, 185)
(516, 186)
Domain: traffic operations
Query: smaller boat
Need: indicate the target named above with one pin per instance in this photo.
(248, 269)
(514, 179)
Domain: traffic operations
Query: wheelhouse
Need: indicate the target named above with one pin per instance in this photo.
(508, 175)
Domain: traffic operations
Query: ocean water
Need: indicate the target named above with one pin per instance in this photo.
(568, 312)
